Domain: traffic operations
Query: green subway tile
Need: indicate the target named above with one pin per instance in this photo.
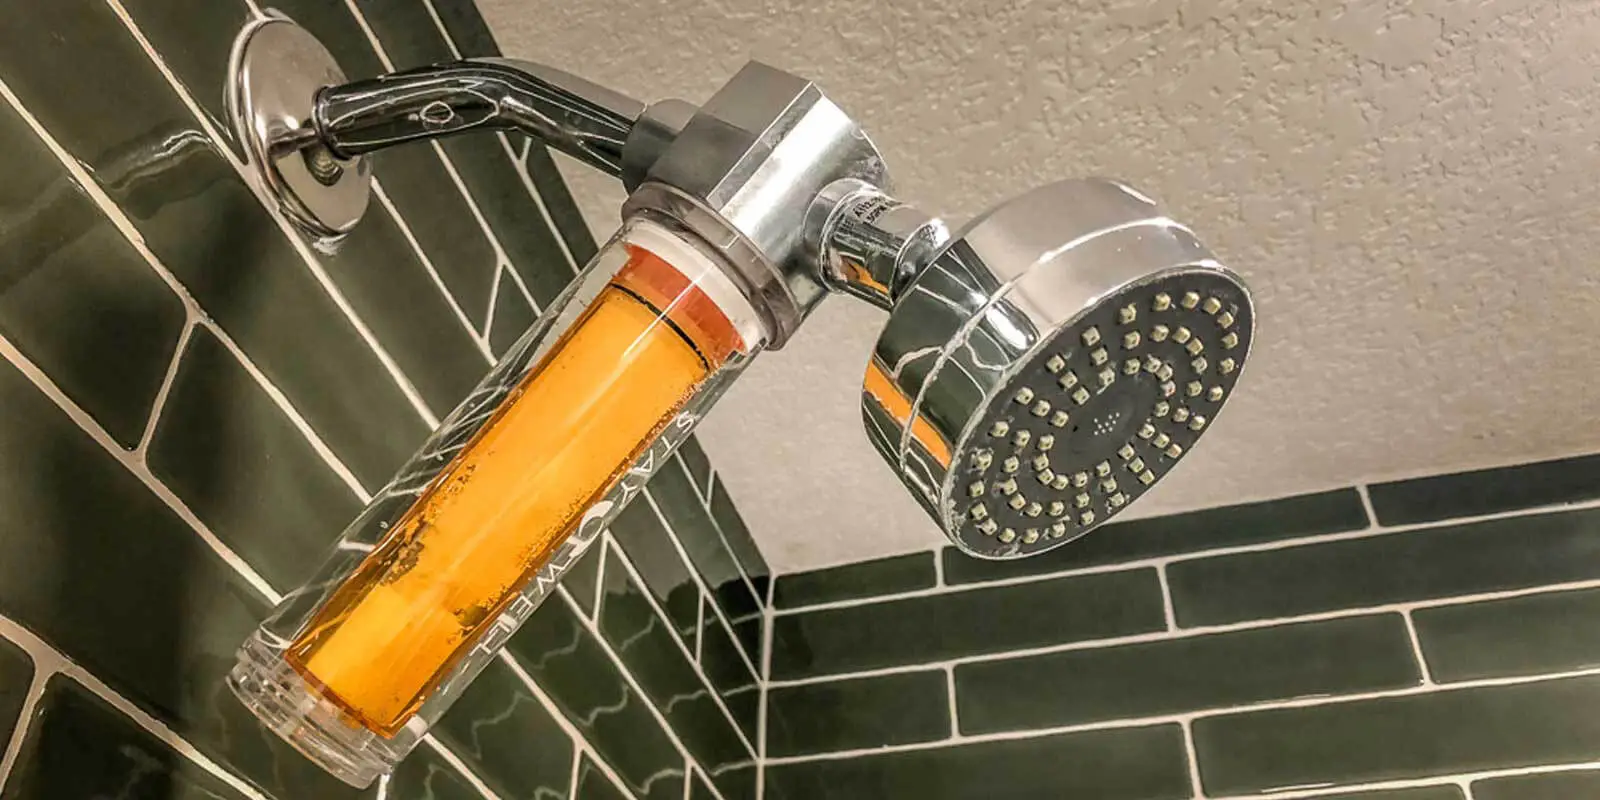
(78, 746)
(421, 189)
(1465, 494)
(1569, 785)
(582, 580)
(642, 639)
(725, 667)
(574, 229)
(697, 464)
(513, 315)
(1237, 668)
(745, 706)
(862, 713)
(1228, 526)
(649, 548)
(893, 575)
(1442, 792)
(195, 41)
(72, 61)
(391, 290)
(240, 464)
(466, 28)
(153, 612)
(699, 789)
(966, 623)
(749, 633)
(16, 673)
(735, 780)
(425, 775)
(408, 33)
(490, 173)
(337, 29)
(1393, 738)
(687, 514)
(60, 255)
(507, 737)
(1441, 562)
(565, 660)
(1530, 635)
(593, 784)
(1122, 764)
(739, 541)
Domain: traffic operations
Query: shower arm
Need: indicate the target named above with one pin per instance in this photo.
(870, 245)
(588, 122)
(770, 168)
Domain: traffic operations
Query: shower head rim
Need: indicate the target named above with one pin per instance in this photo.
(947, 488)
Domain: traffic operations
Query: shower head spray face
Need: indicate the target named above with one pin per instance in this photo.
(1053, 363)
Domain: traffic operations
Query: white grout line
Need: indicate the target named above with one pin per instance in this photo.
(694, 661)
(1370, 532)
(705, 501)
(688, 782)
(30, 703)
(295, 418)
(600, 572)
(694, 575)
(521, 166)
(292, 234)
(938, 570)
(699, 629)
(950, 695)
(763, 680)
(444, 33)
(633, 684)
(1462, 780)
(518, 164)
(481, 340)
(1196, 788)
(703, 495)
(48, 661)
(1189, 716)
(1208, 630)
(1366, 506)
(579, 743)
(133, 464)
(1416, 648)
(1166, 598)
(460, 766)
(494, 300)
(577, 768)
(160, 403)
(444, 158)
(192, 309)
(383, 788)
(522, 287)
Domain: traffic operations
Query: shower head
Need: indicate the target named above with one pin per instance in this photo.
(1037, 373)
(1052, 362)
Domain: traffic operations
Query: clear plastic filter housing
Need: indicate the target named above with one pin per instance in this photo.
(431, 580)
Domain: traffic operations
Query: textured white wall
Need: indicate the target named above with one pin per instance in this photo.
(1411, 188)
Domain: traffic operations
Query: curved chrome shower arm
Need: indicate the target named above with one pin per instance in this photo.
(584, 120)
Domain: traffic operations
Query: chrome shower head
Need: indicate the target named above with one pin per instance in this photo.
(1037, 373)
(1051, 363)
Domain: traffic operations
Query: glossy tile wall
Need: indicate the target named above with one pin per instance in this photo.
(1429, 639)
(195, 403)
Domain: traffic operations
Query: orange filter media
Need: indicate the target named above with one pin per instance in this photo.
(452, 563)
